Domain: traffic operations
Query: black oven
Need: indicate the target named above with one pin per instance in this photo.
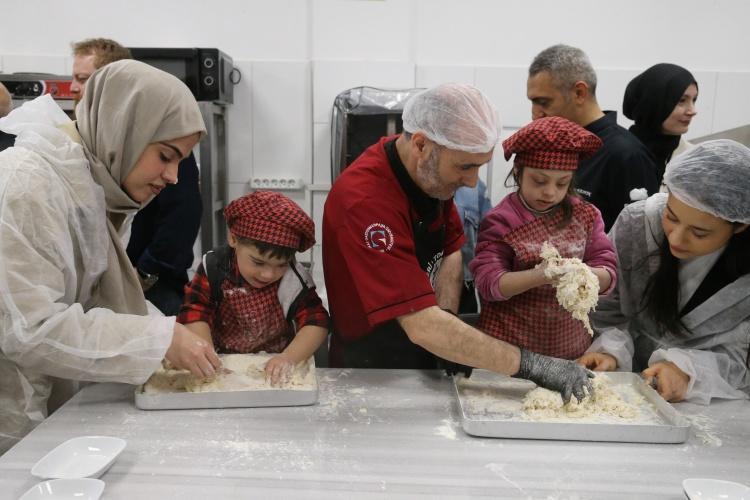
(208, 73)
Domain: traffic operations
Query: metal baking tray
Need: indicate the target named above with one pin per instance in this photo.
(230, 399)
(659, 423)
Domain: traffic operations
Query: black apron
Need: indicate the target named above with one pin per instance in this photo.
(387, 345)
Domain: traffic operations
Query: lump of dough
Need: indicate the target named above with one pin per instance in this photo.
(167, 379)
(576, 285)
(543, 404)
(240, 372)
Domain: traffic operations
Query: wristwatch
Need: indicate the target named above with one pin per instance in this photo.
(148, 280)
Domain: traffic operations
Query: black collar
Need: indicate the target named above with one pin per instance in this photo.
(609, 119)
(427, 208)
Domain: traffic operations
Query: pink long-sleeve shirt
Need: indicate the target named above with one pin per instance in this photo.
(494, 257)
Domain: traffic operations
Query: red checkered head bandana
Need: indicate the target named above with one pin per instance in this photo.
(551, 143)
(271, 218)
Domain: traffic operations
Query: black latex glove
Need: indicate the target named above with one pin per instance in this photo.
(561, 375)
(452, 368)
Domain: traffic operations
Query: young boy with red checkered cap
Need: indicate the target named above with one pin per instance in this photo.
(252, 295)
(519, 303)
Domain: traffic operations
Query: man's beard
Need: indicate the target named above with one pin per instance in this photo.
(428, 178)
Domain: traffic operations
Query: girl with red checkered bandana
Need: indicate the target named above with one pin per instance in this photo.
(519, 303)
(252, 295)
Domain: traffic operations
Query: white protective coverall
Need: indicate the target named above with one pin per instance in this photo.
(714, 355)
(54, 248)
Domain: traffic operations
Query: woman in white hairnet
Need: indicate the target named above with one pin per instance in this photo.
(681, 309)
(71, 306)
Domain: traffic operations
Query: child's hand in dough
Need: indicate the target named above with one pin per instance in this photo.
(554, 271)
(278, 369)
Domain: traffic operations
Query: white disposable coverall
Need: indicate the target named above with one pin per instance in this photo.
(53, 251)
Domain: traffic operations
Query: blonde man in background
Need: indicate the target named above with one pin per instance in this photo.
(90, 55)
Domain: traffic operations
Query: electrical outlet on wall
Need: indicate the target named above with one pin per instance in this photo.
(277, 183)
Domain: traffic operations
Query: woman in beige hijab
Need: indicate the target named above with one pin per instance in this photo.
(70, 302)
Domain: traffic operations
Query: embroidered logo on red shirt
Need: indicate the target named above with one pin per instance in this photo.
(379, 237)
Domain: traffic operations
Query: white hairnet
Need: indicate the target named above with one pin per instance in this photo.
(714, 177)
(454, 115)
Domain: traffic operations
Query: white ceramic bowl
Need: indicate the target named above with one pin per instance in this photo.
(61, 489)
(714, 489)
(85, 456)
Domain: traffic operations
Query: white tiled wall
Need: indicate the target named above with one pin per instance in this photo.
(240, 139)
(610, 89)
(322, 157)
(361, 30)
(282, 120)
(56, 65)
(429, 76)
(244, 29)
(237, 189)
(732, 101)
(506, 88)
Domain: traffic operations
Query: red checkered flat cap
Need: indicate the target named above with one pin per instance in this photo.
(552, 143)
(271, 218)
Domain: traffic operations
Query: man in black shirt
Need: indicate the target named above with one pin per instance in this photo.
(562, 82)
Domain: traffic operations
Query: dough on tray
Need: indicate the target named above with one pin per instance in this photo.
(577, 286)
(241, 372)
(543, 404)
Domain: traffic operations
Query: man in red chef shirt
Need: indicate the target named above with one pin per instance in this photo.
(392, 241)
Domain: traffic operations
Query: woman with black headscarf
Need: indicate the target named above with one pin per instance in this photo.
(661, 102)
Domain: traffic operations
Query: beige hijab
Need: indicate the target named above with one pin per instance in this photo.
(128, 105)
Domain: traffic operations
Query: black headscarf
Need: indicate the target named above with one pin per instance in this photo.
(649, 100)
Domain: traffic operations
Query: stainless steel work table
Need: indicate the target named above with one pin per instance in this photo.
(388, 433)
